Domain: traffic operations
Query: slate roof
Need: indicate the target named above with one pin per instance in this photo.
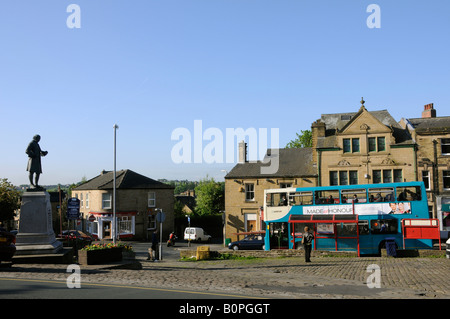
(125, 179)
(431, 124)
(293, 162)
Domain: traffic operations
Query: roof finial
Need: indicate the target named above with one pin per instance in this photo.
(362, 101)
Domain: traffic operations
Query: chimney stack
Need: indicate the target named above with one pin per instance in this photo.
(428, 111)
(242, 152)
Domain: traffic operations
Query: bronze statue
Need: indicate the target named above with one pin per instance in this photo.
(34, 153)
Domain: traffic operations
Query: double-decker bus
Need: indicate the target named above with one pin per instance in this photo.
(358, 218)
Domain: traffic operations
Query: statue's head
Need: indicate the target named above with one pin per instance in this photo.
(37, 138)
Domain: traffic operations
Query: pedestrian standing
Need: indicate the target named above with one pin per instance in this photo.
(307, 243)
(155, 248)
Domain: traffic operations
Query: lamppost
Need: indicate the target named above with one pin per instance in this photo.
(114, 187)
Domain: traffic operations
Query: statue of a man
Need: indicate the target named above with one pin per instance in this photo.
(34, 160)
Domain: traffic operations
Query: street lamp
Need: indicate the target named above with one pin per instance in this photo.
(114, 187)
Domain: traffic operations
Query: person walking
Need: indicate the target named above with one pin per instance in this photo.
(307, 243)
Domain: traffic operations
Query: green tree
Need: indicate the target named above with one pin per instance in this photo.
(210, 197)
(9, 200)
(303, 140)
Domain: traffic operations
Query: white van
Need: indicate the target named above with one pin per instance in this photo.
(196, 233)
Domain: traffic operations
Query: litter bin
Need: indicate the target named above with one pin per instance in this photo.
(391, 249)
(447, 250)
(227, 241)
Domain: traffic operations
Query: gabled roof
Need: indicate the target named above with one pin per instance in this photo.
(293, 162)
(338, 122)
(125, 179)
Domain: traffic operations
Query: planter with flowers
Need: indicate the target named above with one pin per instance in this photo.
(100, 254)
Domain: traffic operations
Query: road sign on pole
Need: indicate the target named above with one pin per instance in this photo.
(73, 209)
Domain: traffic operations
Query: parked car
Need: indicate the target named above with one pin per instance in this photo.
(7, 246)
(253, 241)
(81, 238)
(197, 234)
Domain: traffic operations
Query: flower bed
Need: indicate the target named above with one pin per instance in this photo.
(103, 253)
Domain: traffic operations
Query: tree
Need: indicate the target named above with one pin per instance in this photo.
(9, 200)
(210, 197)
(303, 140)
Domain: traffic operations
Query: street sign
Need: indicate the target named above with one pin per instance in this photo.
(91, 218)
(73, 209)
(160, 217)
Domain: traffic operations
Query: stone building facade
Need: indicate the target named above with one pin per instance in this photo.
(432, 135)
(245, 185)
(363, 147)
(138, 198)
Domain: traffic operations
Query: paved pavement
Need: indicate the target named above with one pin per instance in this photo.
(290, 277)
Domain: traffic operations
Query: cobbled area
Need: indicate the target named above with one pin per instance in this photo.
(289, 277)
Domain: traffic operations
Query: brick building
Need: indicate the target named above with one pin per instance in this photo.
(138, 197)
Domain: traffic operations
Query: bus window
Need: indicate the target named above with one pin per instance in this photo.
(409, 193)
(384, 226)
(327, 197)
(353, 196)
(363, 226)
(276, 199)
(346, 230)
(385, 194)
(300, 198)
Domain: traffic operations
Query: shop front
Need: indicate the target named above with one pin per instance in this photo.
(100, 225)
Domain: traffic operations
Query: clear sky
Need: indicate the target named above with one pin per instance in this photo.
(153, 66)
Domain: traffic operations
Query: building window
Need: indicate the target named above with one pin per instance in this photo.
(151, 221)
(353, 177)
(445, 146)
(334, 178)
(426, 179)
(385, 176)
(377, 144)
(81, 200)
(351, 145)
(398, 176)
(376, 176)
(106, 201)
(151, 199)
(446, 178)
(343, 178)
(249, 192)
(87, 200)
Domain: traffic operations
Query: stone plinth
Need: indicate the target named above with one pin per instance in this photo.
(36, 235)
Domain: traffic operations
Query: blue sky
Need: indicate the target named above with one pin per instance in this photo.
(155, 66)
